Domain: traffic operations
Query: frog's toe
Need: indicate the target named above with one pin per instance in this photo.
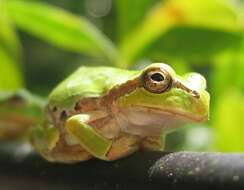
(154, 143)
(123, 146)
(67, 154)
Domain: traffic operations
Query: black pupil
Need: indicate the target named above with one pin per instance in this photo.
(157, 77)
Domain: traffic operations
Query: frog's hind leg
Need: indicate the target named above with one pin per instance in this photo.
(52, 146)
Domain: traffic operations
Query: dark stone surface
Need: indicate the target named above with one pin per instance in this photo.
(142, 170)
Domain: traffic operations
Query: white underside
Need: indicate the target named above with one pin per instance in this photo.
(147, 122)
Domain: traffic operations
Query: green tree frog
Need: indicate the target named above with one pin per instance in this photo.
(109, 113)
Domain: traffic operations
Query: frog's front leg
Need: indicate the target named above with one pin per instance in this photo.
(77, 126)
(97, 145)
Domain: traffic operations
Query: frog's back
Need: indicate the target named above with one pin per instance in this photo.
(88, 82)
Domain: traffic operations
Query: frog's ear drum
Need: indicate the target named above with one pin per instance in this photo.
(156, 80)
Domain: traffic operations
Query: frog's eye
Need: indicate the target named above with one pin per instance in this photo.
(156, 80)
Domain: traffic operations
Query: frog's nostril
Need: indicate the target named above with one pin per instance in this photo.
(196, 94)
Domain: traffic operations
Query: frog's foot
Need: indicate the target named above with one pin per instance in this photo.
(67, 154)
(48, 142)
(154, 143)
(124, 145)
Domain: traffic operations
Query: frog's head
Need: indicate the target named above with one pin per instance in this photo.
(164, 96)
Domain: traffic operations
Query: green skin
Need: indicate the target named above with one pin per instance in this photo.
(109, 113)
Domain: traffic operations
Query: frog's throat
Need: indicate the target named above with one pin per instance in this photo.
(162, 112)
(145, 121)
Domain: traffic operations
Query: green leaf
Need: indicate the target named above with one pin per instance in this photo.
(228, 100)
(228, 121)
(10, 54)
(8, 38)
(61, 28)
(130, 13)
(224, 63)
(192, 44)
(10, 78)
(210, 14)
(216, 14)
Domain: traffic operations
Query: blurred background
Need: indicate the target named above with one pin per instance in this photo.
(42, 42)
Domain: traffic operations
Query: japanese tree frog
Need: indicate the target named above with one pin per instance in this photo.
(109, 113)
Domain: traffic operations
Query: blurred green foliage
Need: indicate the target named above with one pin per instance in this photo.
(44, 41)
